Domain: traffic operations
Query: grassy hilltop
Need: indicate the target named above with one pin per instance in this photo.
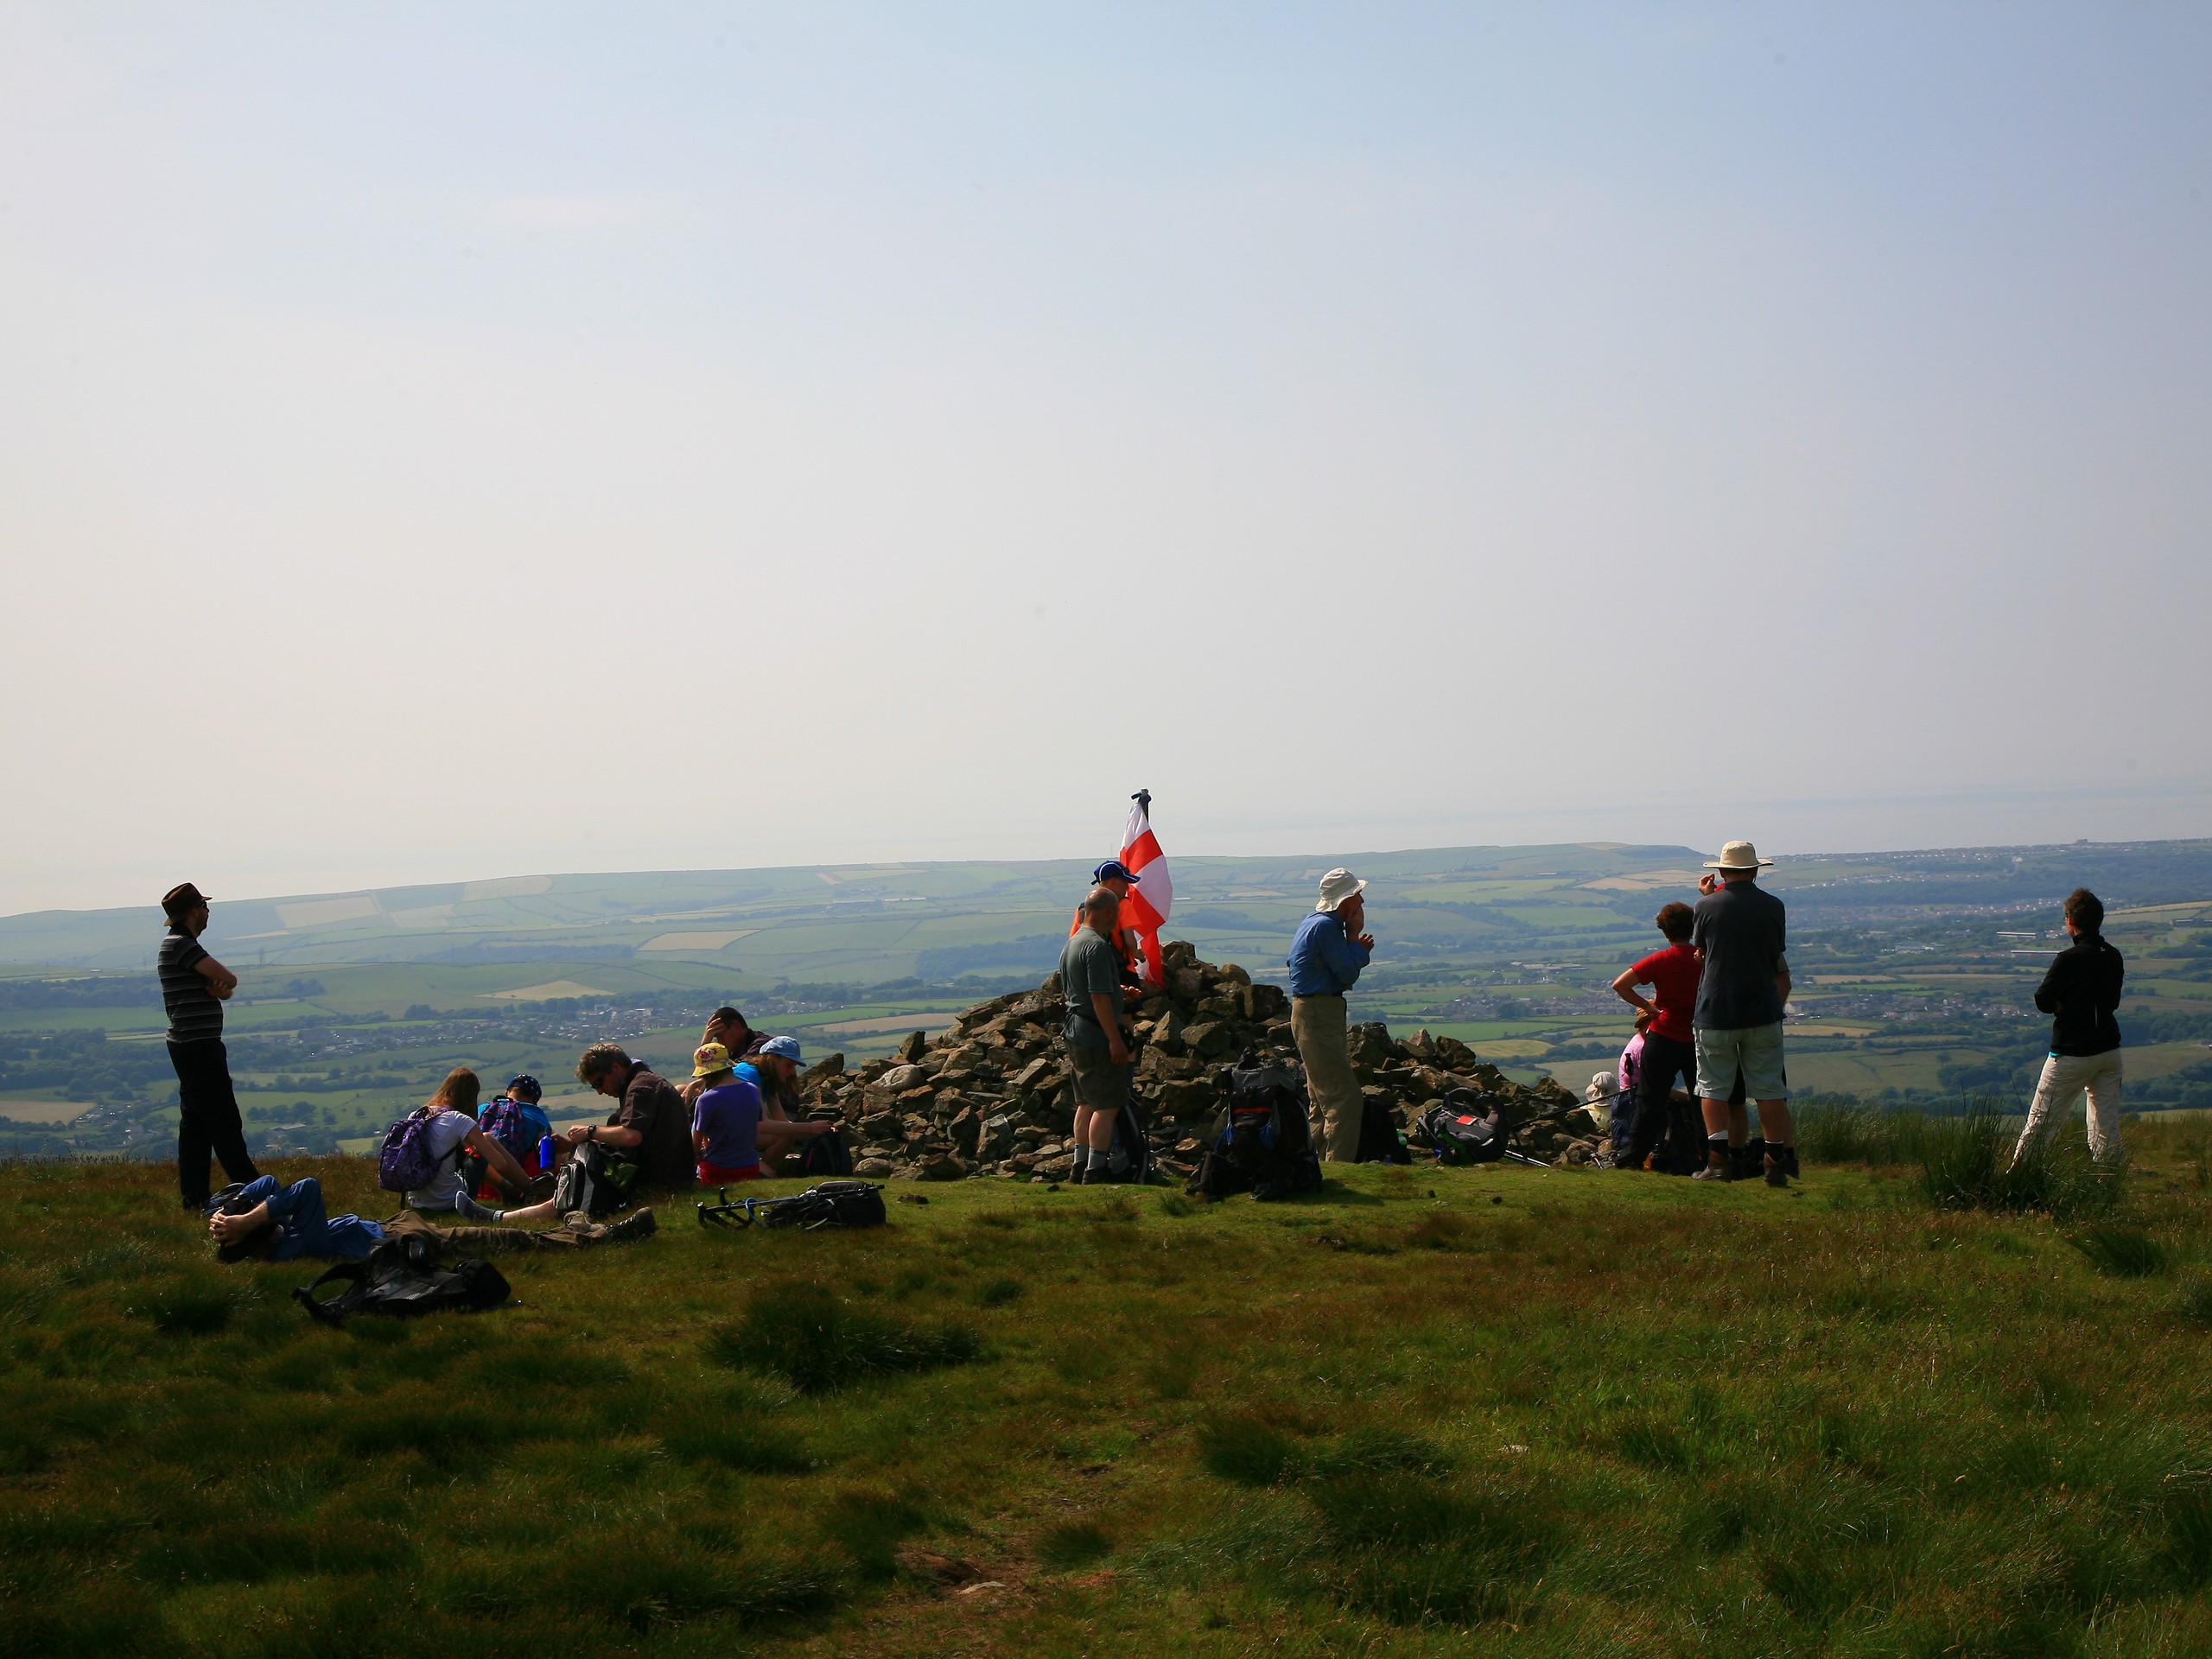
(1571, 1412)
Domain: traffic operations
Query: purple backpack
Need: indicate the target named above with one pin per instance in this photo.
(406, 1163)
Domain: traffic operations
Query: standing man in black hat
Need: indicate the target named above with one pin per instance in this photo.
(194, 987)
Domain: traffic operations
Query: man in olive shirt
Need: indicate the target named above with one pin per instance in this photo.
(194, 987)
(1091, 980)
(1738, 933)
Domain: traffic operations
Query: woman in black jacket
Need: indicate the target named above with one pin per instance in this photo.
(2082, 994)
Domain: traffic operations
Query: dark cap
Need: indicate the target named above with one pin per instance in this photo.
(534, 1090)
(182, 897)
(1114, 870)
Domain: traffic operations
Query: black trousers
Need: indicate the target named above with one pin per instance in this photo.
(1660, 1118)
(209, 1120)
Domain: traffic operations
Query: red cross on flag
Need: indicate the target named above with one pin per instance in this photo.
(1152, 896)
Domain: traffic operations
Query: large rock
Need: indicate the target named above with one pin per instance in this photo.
(911, 1047)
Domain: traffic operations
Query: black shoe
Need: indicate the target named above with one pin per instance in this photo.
(1777, 1173)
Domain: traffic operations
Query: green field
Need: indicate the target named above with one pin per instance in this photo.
(1507, 1411)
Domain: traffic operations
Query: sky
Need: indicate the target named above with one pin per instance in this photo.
(441, 442)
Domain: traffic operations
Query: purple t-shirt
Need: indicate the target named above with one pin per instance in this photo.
(728, 1117)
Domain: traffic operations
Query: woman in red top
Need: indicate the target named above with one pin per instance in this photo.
(1670, 1045)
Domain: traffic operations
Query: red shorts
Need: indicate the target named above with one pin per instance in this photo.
(721, 1175)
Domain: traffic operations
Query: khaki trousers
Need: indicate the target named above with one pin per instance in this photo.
(2065, 1077)
(1317, 1023)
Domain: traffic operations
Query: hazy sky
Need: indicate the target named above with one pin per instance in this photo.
(447, 441)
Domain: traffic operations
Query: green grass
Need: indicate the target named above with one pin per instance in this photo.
(1607, 1414)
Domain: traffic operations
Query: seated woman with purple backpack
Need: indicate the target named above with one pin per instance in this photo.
(423, 1153)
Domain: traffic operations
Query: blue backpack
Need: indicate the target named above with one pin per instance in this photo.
(406, 1162)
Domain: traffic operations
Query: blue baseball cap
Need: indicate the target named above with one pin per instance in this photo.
(1114, 869)
(783, 1047)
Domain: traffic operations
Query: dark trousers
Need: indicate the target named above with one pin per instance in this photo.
(1660, 1118)
(208, 1122)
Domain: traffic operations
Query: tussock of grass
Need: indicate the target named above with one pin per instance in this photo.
(819, 1344)
(1966, 1163)
(1073, 1545)
(2123, 1252)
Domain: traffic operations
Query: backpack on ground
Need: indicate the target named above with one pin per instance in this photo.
(1129, 1159)
(825, 1154)
(405, 1162)
(832, 1204)
(403, 1277)
(593, 1182)
(1263, 1141)
(1379, 1140)
(1466, 1127)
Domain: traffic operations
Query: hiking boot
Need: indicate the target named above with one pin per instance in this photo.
(1716, 1169)
(1778, 1171)
(638, 1224)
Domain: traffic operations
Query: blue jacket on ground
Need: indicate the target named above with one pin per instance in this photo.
(1322, 961)
(297, 1209)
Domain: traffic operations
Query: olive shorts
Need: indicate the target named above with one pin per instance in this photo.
(1753, 1050)
(1099, 1083)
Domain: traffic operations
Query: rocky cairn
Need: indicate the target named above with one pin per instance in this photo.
(994, 1095)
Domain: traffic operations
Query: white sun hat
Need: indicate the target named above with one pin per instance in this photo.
(1337, 886)
(1739, 855)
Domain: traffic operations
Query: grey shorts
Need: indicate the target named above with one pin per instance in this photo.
(1099, 1083)
(1753, 1050)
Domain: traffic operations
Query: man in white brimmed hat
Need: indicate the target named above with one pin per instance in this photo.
(1325, 963)
(1738, 933)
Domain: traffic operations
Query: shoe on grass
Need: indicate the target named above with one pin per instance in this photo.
(638, 1224)
(1778, 1171)
(1715, 1172)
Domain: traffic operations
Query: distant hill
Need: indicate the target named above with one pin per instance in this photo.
(852, 923)
(861, 924)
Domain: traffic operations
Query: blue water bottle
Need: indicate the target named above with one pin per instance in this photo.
(546, 1150)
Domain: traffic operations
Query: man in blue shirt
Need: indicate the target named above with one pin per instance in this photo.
(1325, 963)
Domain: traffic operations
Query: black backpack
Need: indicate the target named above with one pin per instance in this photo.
(403, 1277)
(1262, 1143)
(831, 1205)
(1379, 1140)
(1132, 1145)
(1466, 1128)
(825, 1154)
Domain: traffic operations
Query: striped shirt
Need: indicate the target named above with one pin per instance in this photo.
(195, 1014)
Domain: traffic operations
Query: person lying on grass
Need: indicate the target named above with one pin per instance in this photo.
(264, 1223)
(727, 1129)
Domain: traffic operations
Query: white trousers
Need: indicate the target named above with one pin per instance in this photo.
(2065, 1079)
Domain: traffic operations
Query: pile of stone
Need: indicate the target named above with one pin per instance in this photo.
(993, 1095)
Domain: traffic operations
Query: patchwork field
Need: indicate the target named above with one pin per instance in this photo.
(1914, 972)
(1510, 1411)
